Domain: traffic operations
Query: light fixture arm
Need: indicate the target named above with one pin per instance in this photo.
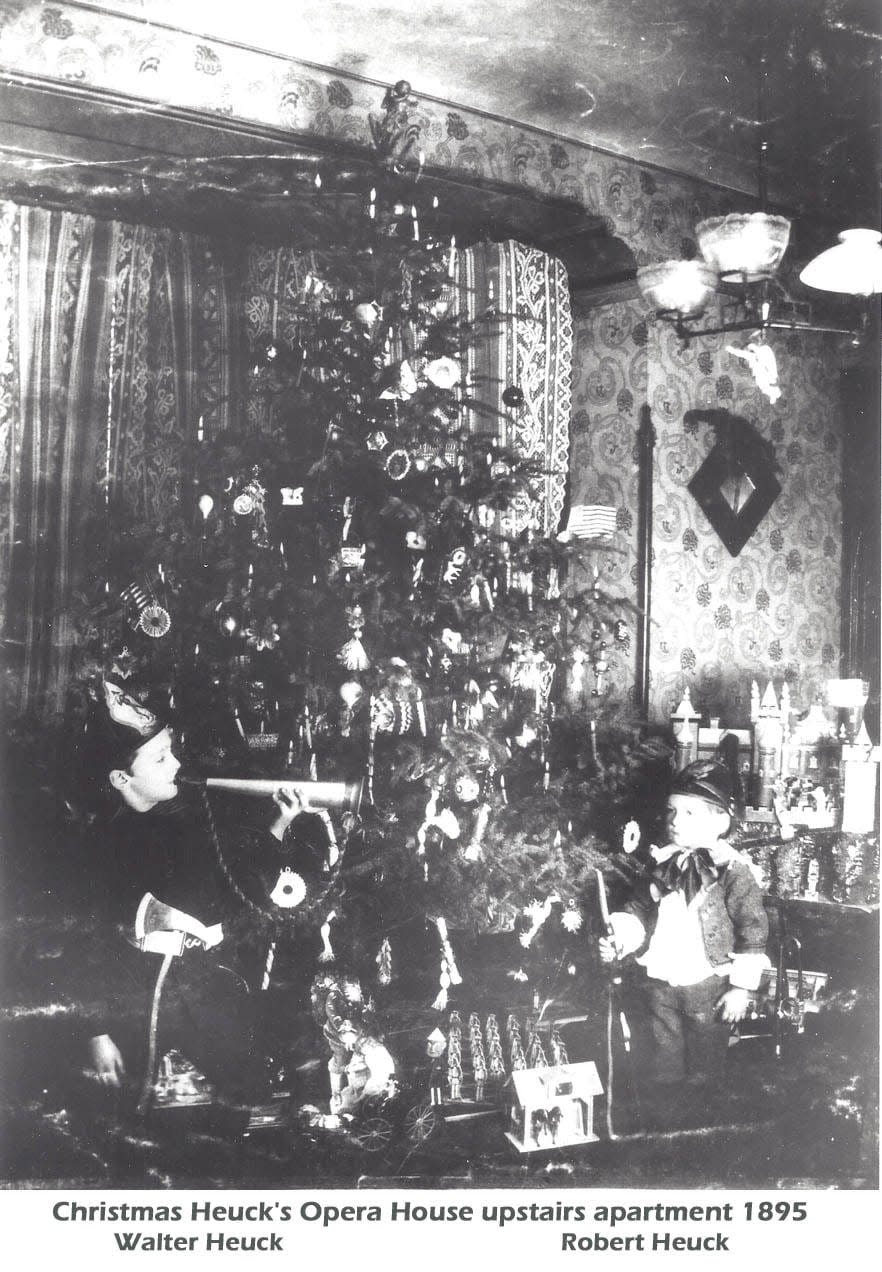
(687, 333)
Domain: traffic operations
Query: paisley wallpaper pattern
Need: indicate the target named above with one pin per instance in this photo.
(718, 621)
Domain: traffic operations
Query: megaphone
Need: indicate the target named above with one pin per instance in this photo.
(161, 929)
(343, 796)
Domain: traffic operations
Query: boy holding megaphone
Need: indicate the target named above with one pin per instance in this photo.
(184, 921)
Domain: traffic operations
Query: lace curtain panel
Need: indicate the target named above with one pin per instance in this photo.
(519, 298)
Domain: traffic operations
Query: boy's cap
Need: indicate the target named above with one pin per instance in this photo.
(707, 780)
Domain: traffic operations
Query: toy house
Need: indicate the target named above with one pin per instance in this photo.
(552, 1107)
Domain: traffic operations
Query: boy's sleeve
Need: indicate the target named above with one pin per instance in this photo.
(744, 903)
(628, 931)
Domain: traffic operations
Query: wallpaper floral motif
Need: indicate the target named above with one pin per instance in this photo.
(718, 621)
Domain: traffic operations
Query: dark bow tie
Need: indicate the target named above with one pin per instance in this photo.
(687, 872)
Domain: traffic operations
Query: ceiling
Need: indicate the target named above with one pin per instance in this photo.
(676, 83)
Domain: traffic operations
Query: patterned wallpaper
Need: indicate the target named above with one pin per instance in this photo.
(718, 621)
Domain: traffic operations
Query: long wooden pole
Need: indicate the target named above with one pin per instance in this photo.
(645, 449)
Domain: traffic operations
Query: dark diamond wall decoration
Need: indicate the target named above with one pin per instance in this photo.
(712, 487)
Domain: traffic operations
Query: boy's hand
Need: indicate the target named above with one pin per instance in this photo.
(733, 1005)
(609, 950)
(107, 1065)
(290, 805)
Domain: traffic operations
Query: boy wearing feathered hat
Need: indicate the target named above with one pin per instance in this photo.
(153, 857)
(699, 928)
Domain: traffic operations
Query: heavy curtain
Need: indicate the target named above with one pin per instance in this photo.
(113, 340)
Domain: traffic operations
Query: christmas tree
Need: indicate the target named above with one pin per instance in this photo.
(351, 591)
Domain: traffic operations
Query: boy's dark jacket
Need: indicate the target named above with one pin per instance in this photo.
(168, 852)
(733, 919)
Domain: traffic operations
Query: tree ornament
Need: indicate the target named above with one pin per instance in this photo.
(353, 655)
(571, 919)
(264, 636)
(327, 954)
(404, 383)
(289, 890)
(631, 837)
(135, 599)
(538, 912)
(474, 850)
(513, 396)
(205, 505)
(267, 352)
(455, 565)
(466, 788)
(353, 556)
(251, 502)
(449, 971)
(440, 1002)
(384, 963)
(398, 464)
(377, 440)
(352, 693)
(580, 658)
(155, 620)
(368, 314)
(292, 496)
(444, 373)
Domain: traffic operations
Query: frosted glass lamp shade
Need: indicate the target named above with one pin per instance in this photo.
(853, 267)
(750, 244)
(679, 287)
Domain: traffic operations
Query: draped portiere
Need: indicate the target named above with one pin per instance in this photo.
(56, 319)
(526, 342)
(114, 339)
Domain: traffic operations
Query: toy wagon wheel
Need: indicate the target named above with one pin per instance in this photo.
(373, 1134)
(420, 1123)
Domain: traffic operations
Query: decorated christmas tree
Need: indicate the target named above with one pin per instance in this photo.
(354, 588)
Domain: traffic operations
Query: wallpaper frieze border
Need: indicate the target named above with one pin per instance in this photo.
(148, 63)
